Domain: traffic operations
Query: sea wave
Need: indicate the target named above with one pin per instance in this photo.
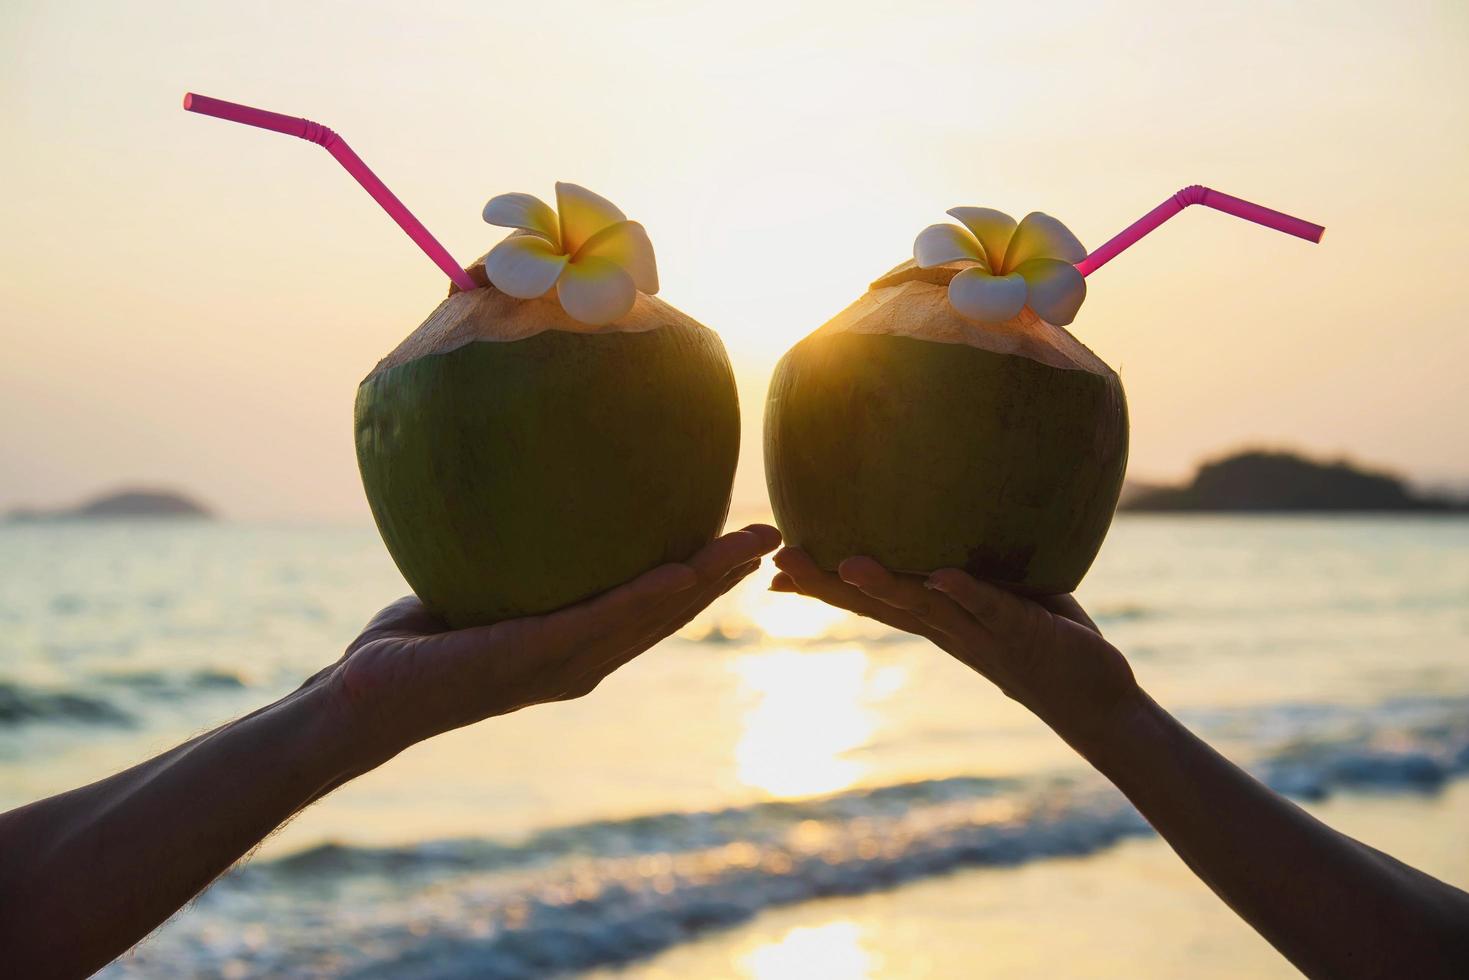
(607, 892)
(23, 705)
(1422, 765)
(175, 684)
(612, 911)
(118, 699)
(760, 824)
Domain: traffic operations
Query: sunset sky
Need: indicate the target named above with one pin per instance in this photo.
(190, 303)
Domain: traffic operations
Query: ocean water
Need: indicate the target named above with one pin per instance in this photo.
(774, 755)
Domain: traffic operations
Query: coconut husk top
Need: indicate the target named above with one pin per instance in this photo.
(487, 314)
(909, 301)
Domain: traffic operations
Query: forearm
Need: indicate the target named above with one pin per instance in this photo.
(1330, 904)
(88, 873)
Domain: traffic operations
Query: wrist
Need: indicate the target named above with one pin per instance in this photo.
(1132, 726)
(1108, 729)
(338, 746)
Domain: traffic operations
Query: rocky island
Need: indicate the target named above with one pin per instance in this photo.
(127, 503)
(1271, 481)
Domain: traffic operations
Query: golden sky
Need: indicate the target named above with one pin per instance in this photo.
(192, 303)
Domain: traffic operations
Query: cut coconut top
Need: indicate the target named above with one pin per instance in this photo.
(486, 314)
(912, 302)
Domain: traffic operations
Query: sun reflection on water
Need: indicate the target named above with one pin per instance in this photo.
(782, 616)
(833, 952)
(810, 711)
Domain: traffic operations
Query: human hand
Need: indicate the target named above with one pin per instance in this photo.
(1046, 654)
(408, 677)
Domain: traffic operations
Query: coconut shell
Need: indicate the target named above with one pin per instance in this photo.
(902, 431)
(517, 461)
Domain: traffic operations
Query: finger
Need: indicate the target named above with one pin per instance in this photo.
(623, 632)
(406, 616)
(630, 601)
(720, 566)
(1002, 613)
(681, 616)
(599, 661)
(705, 596)
(630, 604)
(800, 567)
(784, 583)
(903, 592)
(561, 634)
(811, 580)
(1067, 607)
(732, 550)
(548, 659)
(676, 613)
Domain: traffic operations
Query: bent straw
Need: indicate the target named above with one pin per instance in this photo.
(337, 147)
(1195, 194)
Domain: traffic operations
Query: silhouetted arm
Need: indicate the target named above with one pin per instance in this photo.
(1332, 905)
(86, 874)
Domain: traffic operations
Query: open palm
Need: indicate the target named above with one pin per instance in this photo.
(409, 677)
(1047, 653)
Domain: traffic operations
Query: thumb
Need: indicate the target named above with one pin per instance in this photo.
(1004, 614)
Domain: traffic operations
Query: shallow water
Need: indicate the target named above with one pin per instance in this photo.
(774, 753)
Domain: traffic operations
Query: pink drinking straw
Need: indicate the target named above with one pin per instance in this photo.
(337, 147)
(1196, 194)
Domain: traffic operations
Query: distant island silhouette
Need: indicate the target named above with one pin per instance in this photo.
(129, 502)
(1258, 480)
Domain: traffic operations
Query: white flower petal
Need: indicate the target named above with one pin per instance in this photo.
(595, 291)
(583, 214)
(992, 228)
(989, 299)
(625, 243)
(1041, 236)
(1055, 289)
(524, 266)
(938, 244)
(525, 211)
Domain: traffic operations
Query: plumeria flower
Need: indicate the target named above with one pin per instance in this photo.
(596, 258)
(1030, 264)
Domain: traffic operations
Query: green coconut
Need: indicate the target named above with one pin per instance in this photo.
(905, 432)
(517, 461)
